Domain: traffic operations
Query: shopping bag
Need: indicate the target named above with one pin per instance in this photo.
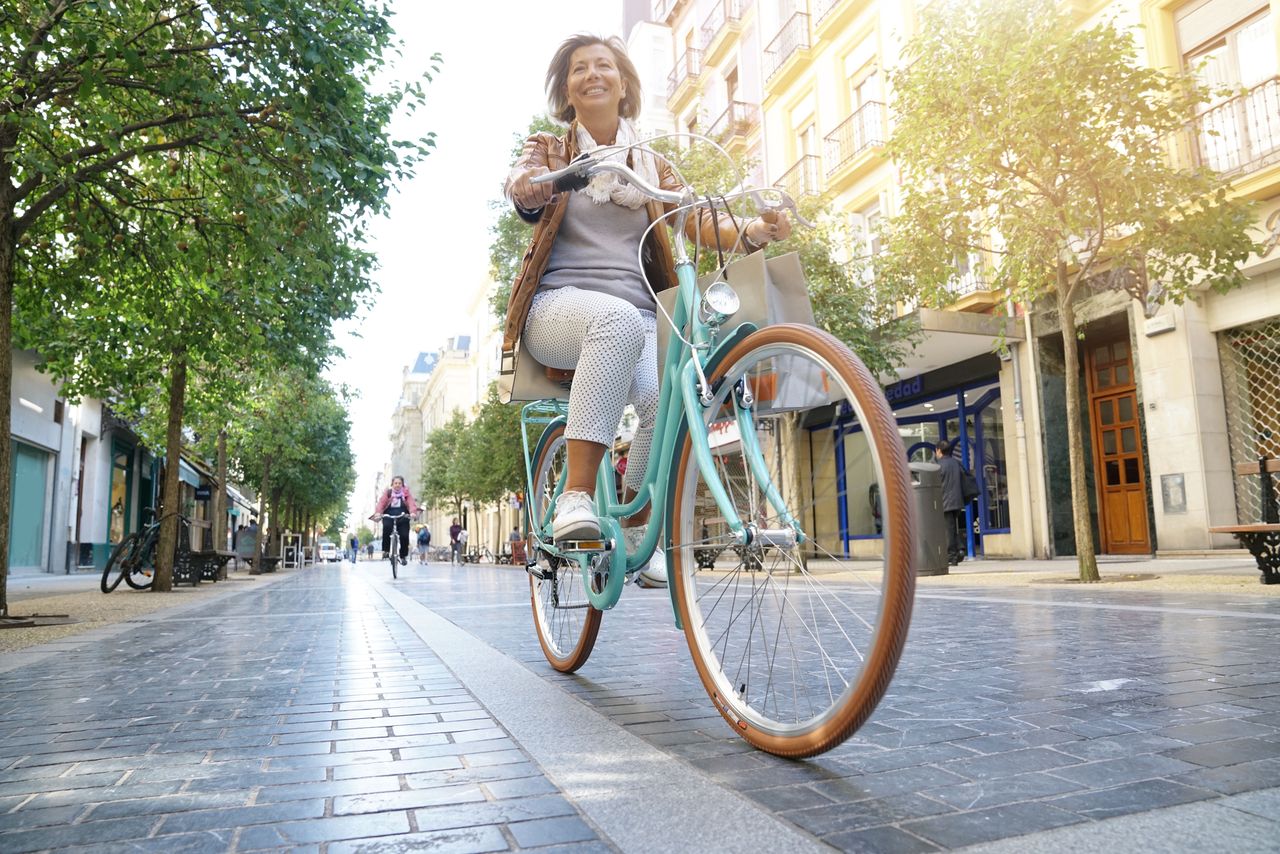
(522, 378)
(770, 290)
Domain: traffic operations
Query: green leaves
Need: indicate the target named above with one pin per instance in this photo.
(1027, 141)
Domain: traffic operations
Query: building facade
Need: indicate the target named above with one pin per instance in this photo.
(1178, 404)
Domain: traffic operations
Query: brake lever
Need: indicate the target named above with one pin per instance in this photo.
(785, 203)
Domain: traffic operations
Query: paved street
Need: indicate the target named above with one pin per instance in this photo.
(335, 710)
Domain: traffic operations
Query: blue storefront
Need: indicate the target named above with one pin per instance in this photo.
(960, 403)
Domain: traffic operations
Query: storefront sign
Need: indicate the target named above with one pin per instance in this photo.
(203, 493)
(905, 389)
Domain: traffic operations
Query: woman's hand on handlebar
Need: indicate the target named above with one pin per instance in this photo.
(530, 196)
(768, 227)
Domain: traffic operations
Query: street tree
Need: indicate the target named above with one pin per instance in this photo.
(136, 137)
(1045, 149)
(494, 451)
(446, 481)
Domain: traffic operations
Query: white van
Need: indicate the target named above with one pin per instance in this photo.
(329, 552)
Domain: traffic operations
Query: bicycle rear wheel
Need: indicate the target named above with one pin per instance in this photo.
(140, 567)
(566, 623)
(796, 633)
(117, 564)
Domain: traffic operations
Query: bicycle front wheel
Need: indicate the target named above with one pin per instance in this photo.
(566, 622)
(795, 633)
(395, 553)
(118, 563)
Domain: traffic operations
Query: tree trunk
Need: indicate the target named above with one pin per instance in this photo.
(1085, 554)
(256, 569)
(169, 491)
(8, 250)
(277, 517)
(220, 496)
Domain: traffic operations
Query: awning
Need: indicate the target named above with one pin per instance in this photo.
(951, 337)
(187, 474)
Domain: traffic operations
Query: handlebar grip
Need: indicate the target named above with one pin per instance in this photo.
(572, 181)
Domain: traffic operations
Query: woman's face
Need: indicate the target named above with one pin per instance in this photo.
(594, 84)
(397, 483)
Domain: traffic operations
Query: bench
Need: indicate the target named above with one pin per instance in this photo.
(259, 564)
(193, 566)
(1261, 539)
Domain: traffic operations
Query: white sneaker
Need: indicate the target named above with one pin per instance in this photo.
(653, 573)
(575, 518)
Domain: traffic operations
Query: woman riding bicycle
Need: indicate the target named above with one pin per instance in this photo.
(396, 507)
(580, 301)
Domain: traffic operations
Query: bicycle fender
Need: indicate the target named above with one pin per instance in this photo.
(681, 433)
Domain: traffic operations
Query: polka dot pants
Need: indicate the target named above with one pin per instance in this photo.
(612, 348)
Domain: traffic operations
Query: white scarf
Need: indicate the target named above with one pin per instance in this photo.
(606, 186)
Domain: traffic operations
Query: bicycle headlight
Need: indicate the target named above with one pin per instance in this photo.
(719, 303)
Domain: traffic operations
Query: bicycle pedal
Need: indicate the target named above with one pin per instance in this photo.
(571, 546)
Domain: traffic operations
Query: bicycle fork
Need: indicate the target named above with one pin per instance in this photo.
(790, 533)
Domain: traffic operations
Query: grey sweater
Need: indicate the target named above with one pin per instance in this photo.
(595, 250)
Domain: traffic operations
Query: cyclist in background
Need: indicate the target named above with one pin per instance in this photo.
(580, 301)
(396, 507)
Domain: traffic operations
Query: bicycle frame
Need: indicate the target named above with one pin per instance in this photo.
(681, 405)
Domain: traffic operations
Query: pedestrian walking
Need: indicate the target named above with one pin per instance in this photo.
(424, 543)
(454, 531)
(355, 548)
(952, 501)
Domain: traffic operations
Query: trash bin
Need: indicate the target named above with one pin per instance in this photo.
(931, 522)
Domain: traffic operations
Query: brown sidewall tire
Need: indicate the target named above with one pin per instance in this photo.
(591, 621)
(899, 584)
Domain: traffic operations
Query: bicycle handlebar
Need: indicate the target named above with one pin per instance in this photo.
(576, 175)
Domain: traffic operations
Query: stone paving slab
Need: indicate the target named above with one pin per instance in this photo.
(326, 713)
(1015, 711)
(304, 715)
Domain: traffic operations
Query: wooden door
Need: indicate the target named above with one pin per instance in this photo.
(1119, 474)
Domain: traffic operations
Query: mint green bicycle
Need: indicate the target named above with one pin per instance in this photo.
(794, 619)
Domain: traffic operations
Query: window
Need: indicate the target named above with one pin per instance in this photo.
(1235, 130)
(809, 140)
(731, 86)
(867, 223)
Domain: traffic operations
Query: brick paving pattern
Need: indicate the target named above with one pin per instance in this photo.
(1012, 712)
(306, 717)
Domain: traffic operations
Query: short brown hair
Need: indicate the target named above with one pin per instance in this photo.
(558, 76)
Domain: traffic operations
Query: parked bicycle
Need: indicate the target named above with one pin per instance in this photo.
(484, 553)
(133, 560)
(795, 625)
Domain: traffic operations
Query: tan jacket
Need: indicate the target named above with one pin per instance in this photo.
(544, 149)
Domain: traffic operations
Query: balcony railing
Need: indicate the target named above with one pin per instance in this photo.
(688, 67)
(802, 179)
(723, 13)
(1241, 134)
(821, 8)
(855, 134)
(793, 36)
(969, 281)
(739, 119)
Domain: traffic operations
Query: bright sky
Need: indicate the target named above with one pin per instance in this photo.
(433, 247)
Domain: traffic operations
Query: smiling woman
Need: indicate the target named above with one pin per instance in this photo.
(581, 301)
